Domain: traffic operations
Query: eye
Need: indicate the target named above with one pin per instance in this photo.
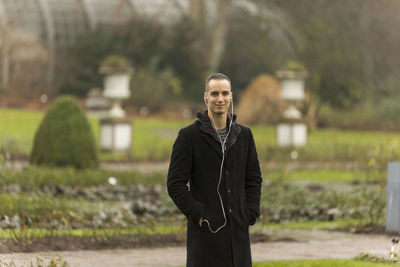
(214, 93)
(225, 93)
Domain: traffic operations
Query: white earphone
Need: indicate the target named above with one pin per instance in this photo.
(223, 147)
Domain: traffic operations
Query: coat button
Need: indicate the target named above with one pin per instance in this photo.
(227, 173)
(229, 190)
(230, 210)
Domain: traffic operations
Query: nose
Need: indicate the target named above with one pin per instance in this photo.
(220, 98)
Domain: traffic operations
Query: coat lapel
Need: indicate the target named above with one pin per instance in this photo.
(213, 143)
(234, 133)
(210, 135)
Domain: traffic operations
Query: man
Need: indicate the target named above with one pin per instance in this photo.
(214, 178)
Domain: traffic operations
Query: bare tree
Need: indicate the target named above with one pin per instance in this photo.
(218, 35)
(198, 12)
(268, 17)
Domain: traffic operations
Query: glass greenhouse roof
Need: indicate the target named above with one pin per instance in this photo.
(63, 20)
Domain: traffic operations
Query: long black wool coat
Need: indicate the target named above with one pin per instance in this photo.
(192, 184)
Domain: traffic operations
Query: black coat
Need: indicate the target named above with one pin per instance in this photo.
(196, 158)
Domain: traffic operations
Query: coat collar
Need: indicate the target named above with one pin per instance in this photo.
(208, 130)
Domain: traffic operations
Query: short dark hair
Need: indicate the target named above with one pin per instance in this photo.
(216, 76)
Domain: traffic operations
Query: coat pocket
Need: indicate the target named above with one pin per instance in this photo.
(215, 219)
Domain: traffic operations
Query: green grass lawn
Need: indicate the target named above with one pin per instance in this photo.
(318, 263)
(266, 136)
(173, 228)
(17, 129)
(90, 232)
(311, 225)
(33, 177)
(153, 138)
(319, 176)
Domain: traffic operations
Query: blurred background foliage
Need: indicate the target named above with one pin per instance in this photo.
(349, 49)
(166, 59)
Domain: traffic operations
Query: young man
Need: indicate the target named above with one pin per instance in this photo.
(214, 178)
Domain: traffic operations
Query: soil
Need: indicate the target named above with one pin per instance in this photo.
(267, 245)
(71, 243)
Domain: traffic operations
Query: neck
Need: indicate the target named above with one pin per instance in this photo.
(218, 120)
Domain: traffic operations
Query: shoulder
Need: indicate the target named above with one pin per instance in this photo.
(245, 130)
(189, 130)
(185, 135)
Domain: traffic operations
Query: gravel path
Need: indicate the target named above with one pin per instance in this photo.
(308, 245)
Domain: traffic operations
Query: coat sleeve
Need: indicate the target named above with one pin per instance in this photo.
(178, 177)
(253, 181)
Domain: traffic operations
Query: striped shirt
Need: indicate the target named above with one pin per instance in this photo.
(222, 134)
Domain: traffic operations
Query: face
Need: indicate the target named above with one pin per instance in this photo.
(218, 96)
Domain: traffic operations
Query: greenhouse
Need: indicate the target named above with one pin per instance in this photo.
(31, 30)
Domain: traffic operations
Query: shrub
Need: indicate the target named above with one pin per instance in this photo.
(261, 102)
(64, 137)
(282, 201)
(161, 85)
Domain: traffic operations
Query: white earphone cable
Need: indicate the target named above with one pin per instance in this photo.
(223, 148)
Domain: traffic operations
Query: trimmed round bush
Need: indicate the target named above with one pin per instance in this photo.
(64, 137)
